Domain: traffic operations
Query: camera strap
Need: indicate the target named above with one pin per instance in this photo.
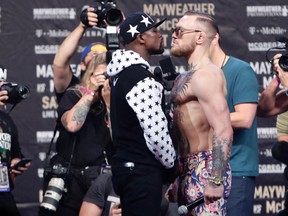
(12, 108)
(48, 157)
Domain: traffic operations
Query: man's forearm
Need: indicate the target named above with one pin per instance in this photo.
(221, 151)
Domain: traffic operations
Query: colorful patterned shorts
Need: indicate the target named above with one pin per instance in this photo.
(196, 168)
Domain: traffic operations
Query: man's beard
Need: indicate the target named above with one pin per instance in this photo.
(158, 51)
(182, 51)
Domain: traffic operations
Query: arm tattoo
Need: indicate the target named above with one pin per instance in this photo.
(81, 112)
(221, 150)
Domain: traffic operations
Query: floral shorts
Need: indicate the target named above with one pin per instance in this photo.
(196, 168)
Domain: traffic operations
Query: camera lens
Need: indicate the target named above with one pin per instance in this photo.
(283, 62)
(114, 17)
(23, 91)
(53, 194)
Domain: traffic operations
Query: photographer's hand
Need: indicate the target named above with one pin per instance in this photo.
(105, 93)
(92, 17)
(3, 95)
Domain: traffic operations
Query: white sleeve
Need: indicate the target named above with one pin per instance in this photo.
(145, 99)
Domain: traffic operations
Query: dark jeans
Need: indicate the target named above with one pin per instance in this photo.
(139, 188)
(240, 201)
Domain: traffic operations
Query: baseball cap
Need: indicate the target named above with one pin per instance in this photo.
(135, 24)
(92, 47)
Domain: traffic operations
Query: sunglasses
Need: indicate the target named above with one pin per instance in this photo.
(179, 31)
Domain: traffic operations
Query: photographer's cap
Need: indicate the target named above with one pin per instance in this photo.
(3, 73)
(92, 47)
(135, 24)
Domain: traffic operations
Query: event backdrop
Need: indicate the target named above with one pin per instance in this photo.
(31, 32)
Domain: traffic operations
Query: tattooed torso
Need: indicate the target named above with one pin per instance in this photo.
(189, 122)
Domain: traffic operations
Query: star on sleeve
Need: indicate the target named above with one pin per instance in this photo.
(145, 99)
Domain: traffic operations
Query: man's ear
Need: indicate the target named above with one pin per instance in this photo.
(201, 37)
(140, 38)
(216, 39)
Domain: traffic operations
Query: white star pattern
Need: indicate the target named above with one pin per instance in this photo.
(145, 20)
(145, 99)
(123, 59)
(133, 30)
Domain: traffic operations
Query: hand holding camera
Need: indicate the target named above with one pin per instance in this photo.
(15, 93)
(106, 13)
(3, 95)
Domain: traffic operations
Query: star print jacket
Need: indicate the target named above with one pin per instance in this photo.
(139, 125)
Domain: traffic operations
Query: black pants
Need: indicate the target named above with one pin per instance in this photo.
(139, 188)
(78, 183)
(7, 205)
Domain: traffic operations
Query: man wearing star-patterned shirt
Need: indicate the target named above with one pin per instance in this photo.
(144, 150)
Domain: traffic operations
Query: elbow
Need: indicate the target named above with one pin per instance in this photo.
(71, 128)
(247, 123)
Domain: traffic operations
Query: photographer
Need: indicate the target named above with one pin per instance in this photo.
(10, 155)
(106, 14)
(274, 101)
(84, 141)
(62, 73)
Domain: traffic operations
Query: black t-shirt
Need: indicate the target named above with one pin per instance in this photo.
(101, 193)
(74, 81)
(91, 139)
(9, 144)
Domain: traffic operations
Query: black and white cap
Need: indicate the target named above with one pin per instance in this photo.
(135, 24)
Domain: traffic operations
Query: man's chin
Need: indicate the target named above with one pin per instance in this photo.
(175, 52)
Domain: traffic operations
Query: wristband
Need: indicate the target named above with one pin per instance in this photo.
(277, 80)
(87, 91)
(216, 180)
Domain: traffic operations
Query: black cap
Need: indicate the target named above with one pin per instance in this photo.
(135, 24)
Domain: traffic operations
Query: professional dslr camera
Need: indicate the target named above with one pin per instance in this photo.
(55, 187)
(107, 9)
(16, 92)
(283, 61)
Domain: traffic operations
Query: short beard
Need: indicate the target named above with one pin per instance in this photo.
(157, 51)
(182, 52)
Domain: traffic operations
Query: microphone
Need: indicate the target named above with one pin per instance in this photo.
(158, 73)
(184, 209)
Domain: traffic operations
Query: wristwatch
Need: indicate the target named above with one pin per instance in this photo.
(216, 180)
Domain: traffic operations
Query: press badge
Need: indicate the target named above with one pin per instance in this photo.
(4, 178)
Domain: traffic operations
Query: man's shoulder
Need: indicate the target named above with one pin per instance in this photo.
(239, 62)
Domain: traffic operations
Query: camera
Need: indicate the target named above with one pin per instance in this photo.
(283, 62)
(55, 187)
(16, 92)
(107, 9)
